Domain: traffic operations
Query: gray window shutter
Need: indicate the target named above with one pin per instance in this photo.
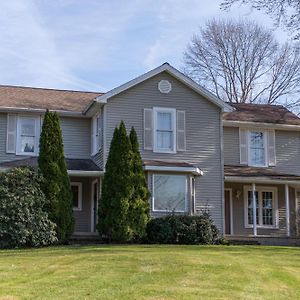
(99, 132)
(271, 148)
(148, 129)
(181, 144)
(11, 133)
(243, 146)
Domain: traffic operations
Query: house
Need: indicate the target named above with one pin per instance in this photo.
(199, 153)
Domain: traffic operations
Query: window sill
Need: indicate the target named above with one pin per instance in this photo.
(26, 154)
(164, 151)
(77, 209)
(262, 227)
(170, 211)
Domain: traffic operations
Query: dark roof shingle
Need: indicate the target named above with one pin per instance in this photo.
(262, 113)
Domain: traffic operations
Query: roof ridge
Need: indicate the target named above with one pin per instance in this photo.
(48, 89)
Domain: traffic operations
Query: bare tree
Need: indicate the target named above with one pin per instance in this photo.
(241, 61)
(285, 12)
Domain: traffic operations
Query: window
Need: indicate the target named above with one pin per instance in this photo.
(266, 207)
(28, 133)
(96, 134)
(169, 193)
(77, 195)
(164, 130)
(257, 148)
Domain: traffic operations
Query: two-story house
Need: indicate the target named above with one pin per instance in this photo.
(186, 137)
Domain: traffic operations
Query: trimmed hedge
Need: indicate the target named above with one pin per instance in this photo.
(182, 229)
(23, 221)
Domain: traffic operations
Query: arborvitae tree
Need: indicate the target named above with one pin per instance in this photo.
(138, 214)
(117, 189)
(57, 187)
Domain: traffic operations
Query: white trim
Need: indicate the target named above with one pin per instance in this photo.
(297, 190)
(265, 180)
(287, 209)
(104, 136)
(193, 170)
(243, 124)
(79, 185)
(85, 173)
(259, 190)
(230, 209)
(173, 72)
(41, 111)
(93, 221)
(157, 110)
(37, 133)
(186, 194)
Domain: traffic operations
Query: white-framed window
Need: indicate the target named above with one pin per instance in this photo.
(257, 148)
(28, 135)
(77, 195)
(96, 139)
(266, 207)
(164, 130)
(169, 193)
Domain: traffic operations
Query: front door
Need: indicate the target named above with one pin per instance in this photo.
(228, 212)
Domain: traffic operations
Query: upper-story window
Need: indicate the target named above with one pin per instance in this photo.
(28, 134)
(257, 147)
(165, 130)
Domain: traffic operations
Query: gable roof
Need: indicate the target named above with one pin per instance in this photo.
(41, 98)
(261, 113)
(173, 72)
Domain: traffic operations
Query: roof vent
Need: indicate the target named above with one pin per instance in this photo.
(165, 86)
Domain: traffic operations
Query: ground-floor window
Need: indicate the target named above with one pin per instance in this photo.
(169, 193)
(266, 206)
(77, 195)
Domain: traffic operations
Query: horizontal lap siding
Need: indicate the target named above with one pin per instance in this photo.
(231, 146)
(202, 133)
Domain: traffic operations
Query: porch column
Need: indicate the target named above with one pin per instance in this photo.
(254, 209)
(287, 209)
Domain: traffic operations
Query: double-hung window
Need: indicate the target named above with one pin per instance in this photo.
(164, 130)
(28, 131)
(257, 148)
(266, 207)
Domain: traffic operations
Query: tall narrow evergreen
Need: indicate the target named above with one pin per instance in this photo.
(117, 189)
(57, 187)
(138, 214)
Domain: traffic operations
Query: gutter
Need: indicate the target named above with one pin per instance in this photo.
(260, 180)
(85, 173)
(193, 170)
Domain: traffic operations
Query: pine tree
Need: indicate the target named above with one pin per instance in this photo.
(117, 189)
(57, 187)
(138, 214)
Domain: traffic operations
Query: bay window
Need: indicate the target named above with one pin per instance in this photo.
(169, 193)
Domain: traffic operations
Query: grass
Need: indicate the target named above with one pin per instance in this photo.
(151, 272)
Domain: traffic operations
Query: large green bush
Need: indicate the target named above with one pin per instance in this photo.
(23, 221)
(56, 187)
(182, 229)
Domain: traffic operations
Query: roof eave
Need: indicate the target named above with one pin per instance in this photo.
(193, 170)
(263, 179)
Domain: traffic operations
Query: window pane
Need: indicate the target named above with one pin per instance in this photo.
(164, 121)
(257, 148)
(169, 192)
(164, 140)
(27, 144)
(250, 208)
(28, 127)
(267, 208)
(75, 195)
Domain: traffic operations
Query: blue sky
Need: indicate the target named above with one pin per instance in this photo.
(98, 45)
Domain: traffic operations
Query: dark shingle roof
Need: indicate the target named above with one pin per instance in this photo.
(72, 164)
(40, 98)
(246, 171)
(161, 163)
(262, 113)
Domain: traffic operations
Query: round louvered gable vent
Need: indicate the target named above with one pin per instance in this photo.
(165, 86)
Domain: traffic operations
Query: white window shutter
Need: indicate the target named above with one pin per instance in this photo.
(271, 148)
(92, 136)
(148, 129)
(243, 146)
(11, 133)
(181, 140)
(99, 132)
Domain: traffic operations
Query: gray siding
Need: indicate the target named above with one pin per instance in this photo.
(76, 138)
(203, 146)
(238, 206)
(287, 150)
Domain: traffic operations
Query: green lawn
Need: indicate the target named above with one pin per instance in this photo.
(151, 272)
